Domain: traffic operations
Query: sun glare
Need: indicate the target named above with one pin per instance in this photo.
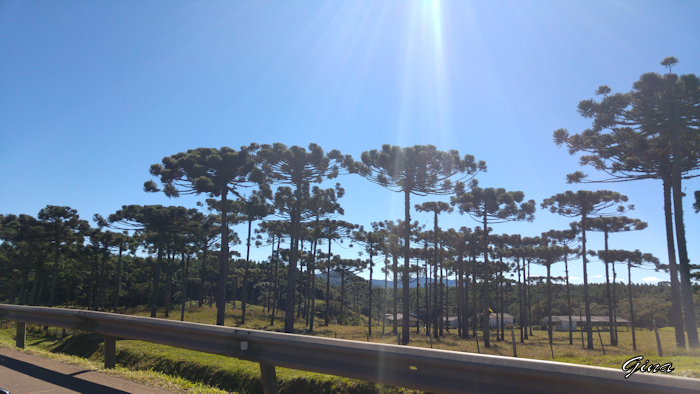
(425, 94)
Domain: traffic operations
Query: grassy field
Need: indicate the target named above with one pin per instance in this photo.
(685, 361)
(199, 371)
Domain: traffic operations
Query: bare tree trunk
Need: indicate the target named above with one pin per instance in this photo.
(474, 305)
(427, 292)
(629, 285)
(328, 282)
(98, 291)
(614, 302)
(441, 310)
(276, 297)
(441, 285)
(312, 313)
(486, 316)
(568, 299)
(586, 297)
(371, 269)
(607, 283)
(691, 327)
(529, 299)
(156, 276)
(549, 302)
(395, 328)
(503, 294)
(117, 280)
(520, 299)
(465, 312)
(405, 336)
(342, 293)
(460, 289)
(676, 304)
(244, 296)
(202, 275)
(169, 282)
(184, 286)
(300, 285)
(22, 298)
(436, 287)
(223, 261)
(33, 299)
(386, 274)
(93, 283)
(55, 266)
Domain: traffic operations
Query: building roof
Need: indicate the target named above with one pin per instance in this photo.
(594, 319)
(399, 316)
(498, 316)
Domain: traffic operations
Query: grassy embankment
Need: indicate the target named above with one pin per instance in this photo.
(190, 371)
(242, 376)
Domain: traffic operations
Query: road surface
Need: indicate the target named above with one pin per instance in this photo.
(22, 373)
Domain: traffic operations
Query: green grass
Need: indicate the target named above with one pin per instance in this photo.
(39, 344)
(241, 376)
(224, 373)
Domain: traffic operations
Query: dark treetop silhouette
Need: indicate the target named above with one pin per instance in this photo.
(420, 170)
(215, 172)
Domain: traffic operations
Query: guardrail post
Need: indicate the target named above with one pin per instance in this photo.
(110, 351)
(21, 334)
(269, 378)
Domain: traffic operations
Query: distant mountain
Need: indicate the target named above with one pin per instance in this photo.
(335, 281)
(390, 283)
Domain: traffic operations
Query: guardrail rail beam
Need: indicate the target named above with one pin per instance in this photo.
(433, 370)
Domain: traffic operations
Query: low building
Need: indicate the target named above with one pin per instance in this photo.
(412, 320)
(495, 320)
(561, 323)
(451, 321)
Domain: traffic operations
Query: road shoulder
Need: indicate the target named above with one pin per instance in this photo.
(26, 373)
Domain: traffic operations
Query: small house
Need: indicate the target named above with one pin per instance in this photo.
(412, 320)
(561, 323)
(451, 321)
(495, 319)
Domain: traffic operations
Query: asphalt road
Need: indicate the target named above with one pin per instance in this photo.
(22, 373)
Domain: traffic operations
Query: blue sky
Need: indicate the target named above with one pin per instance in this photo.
(93, 93)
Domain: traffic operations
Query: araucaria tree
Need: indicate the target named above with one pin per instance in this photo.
(608, 225)
(548, 254)
(565, 238)
(585, 203)
(297, 168)
(419, 170)
(490, 206)
(155, 221)
(436, 207)
(322, 203)
(253, 208)
(333, 230)
(373, 242)
(215, 172)
(63, 225)
(649, 133)
(634, 259)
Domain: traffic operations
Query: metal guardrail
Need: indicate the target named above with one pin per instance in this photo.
(431, 370)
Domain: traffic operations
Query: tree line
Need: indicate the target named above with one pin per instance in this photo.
(649, 133)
